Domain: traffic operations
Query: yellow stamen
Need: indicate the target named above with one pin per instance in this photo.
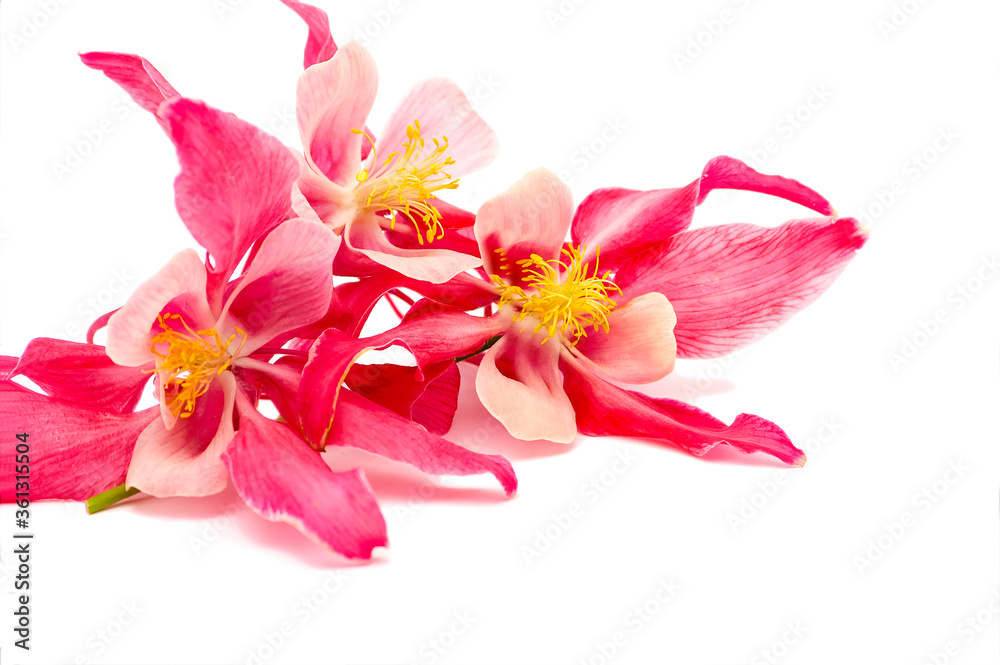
(406, 181)
(192, 360)
(567, 295)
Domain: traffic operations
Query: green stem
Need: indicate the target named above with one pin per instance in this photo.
(109, 498)
(485, 347)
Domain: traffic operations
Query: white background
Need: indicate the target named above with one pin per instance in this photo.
(213, 583)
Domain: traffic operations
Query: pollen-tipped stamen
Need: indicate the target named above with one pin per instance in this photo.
(405, 182)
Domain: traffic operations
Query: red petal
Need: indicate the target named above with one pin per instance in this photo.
(320, 46)
(137, 77)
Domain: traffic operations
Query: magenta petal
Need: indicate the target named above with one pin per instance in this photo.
(623, 222)
(76, 451)
(235, 183)
(603, 409)
(7, 365)
(137, 77)
(282, 479)
(287, 285)
(185, 459)
(320, 46)
(731, 284)
(368, 426)
(430, 401)
(82, 373)
(435, 408)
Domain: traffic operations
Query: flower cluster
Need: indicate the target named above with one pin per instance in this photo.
(300, 247)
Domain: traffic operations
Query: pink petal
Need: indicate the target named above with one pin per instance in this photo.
(137, 77)
(287, 285)
(603, 409)
(731, 284)
(320, 46)
(235, 181)
(430, 401)
(435, 408)
(83, 374)
(277, 382)
(76, 451)
(623, 222)
(7, 365)
(282, 479)
(335, 97)
(184, 460)
(520, 384)
(98, 324)
(443, 111)
(531, 217)
(181, 282)
(639, 347)
(364, 235)
(368, 426)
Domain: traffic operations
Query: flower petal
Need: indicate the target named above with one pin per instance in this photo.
(288, 283)
(7, 365)
(137, 77)
(520, 384)
(443, 111)
(76, 451)
(282, 479)
(83, 374)
(184, 460)
(430, 401)
(365, 236)
(363, 424)
(181, 283)
(639, 346)
(731, 284)
(320, 46)
(531, 217)
(603, 409)
(335, 97)
(235, 182)
(623, 222)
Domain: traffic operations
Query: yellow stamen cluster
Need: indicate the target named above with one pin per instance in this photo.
(406, 181)
(567, 295)
(192, 360)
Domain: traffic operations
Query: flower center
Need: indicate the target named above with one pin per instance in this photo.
(193, 359)
(406, 181)
(567, 295)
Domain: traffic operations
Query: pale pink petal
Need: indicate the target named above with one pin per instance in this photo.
(76, 451)
(365, 236)
(368, 426)
(603, 409)
(639, 346)
(624, 222)
(532, 217)
(184, 460)
(520, 384)
(137, 77)
(731, 284)
(180, 283)
(443, 111)
(235, 182)
(320, 46)
(335, 97)
(287, 284)
(284, 480)
(82, 373)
